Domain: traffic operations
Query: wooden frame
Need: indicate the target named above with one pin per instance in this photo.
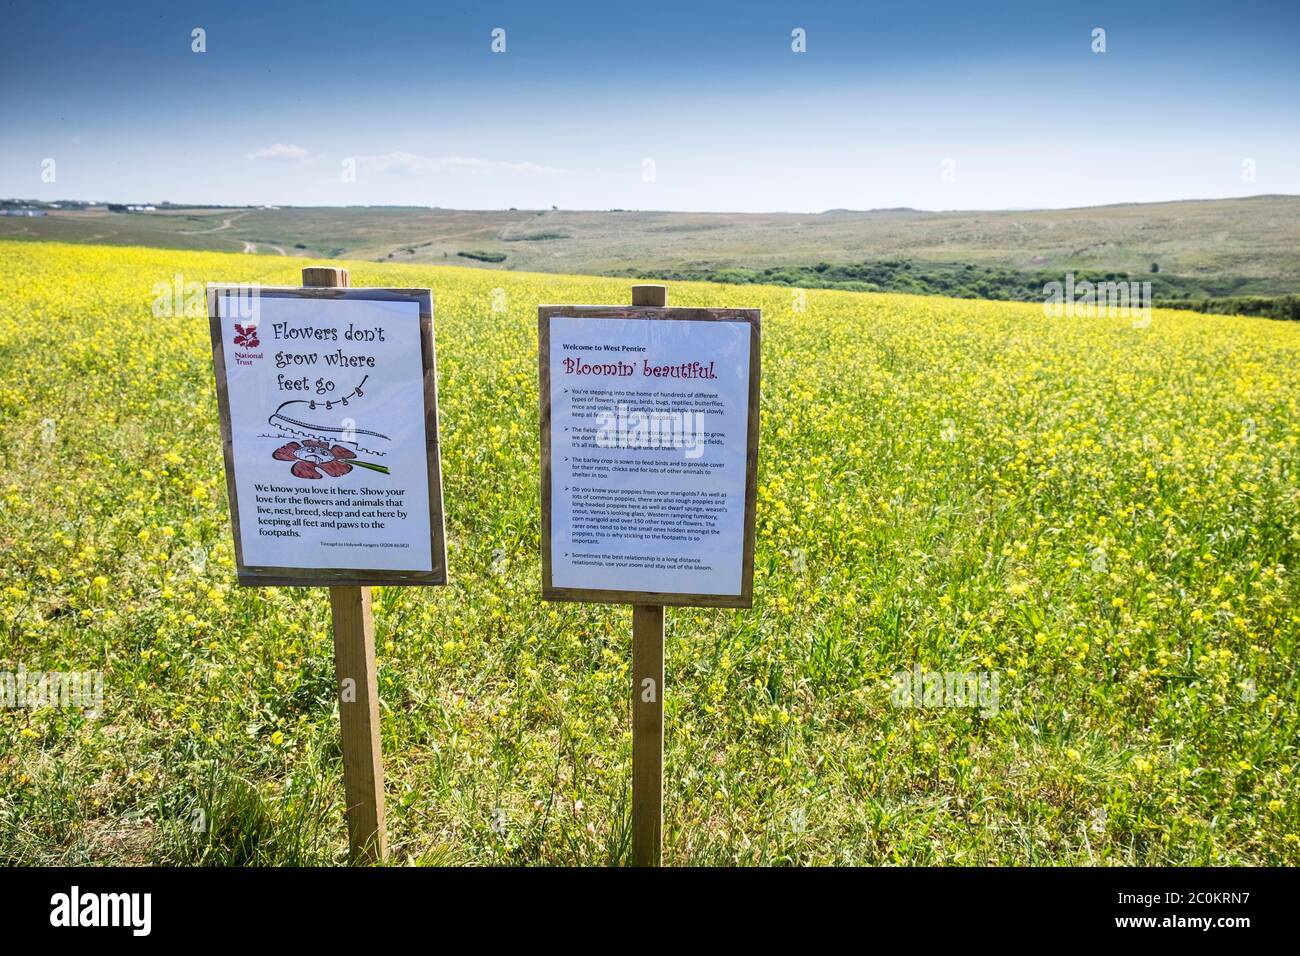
(255, 576)
(598, 595)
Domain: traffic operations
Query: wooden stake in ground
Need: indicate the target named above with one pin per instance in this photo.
(725, 344)
(647, 734)
(648, 697)
(354, 670)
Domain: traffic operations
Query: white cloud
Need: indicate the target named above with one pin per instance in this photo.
(280, 153)
(497, 166)
(402, 163)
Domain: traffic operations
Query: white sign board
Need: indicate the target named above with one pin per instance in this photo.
(651, 451)
(330, 461)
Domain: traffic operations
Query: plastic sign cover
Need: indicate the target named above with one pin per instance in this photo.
(327, 425)
(649, 441)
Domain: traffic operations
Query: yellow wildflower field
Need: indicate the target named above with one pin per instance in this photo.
(1101, 514)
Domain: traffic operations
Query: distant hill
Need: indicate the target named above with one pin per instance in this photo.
(1221, 247)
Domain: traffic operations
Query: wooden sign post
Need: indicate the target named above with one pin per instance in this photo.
(329, 425)
(648, 695)
(354, 659)
(647, 733)
(649, 473)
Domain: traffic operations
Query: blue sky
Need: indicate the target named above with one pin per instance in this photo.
(938, 105)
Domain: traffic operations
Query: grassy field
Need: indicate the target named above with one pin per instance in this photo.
(1104, 515)
(1244, 246)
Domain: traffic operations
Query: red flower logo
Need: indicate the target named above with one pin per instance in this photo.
(312, 457)
(246, 336)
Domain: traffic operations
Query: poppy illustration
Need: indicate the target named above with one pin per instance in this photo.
(246, 336)
(312, 457)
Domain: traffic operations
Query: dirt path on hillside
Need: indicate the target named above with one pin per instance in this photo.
(225, 224)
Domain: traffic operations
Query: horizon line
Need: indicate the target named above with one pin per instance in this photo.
(97, 203)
